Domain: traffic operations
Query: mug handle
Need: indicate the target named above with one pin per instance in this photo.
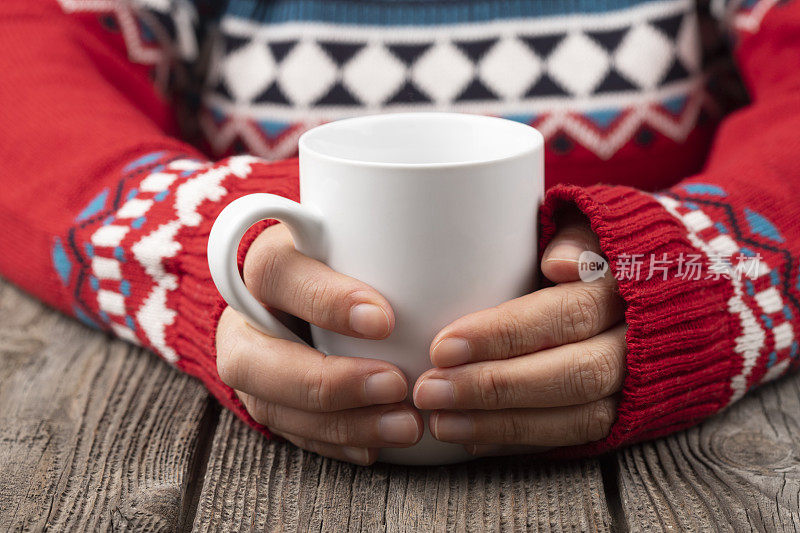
(306, 228)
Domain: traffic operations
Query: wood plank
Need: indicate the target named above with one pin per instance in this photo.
(95, 433)
(254, 484)
(738, 471)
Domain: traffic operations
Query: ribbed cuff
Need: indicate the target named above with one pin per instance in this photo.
(679, 335)
(198, 303)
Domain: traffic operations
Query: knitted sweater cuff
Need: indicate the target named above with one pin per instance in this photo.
(134, 263)
(679, 335)
(199, 304)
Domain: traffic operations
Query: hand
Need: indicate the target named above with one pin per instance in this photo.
(341, 407)
(536, 372)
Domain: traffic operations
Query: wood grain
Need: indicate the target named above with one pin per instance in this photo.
(94, 433)
(739, 471)
(253, 484)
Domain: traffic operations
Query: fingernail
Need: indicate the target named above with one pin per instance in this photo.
(369, 320)
(452, 427)
(356, 455)
(385, 387)
(451, 351)
(399, 427)
(434, 393)
(566, 251)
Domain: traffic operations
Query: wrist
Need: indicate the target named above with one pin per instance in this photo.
(679, 336)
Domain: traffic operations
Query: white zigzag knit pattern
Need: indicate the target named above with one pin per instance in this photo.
(156, 247)
(559, 67)
(152, 250)
(752, 340)
(128, 13)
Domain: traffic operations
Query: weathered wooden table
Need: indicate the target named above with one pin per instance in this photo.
(96, 434)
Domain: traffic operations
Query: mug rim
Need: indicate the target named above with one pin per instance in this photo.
(535, 137)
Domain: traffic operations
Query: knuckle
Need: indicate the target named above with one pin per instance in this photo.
(578, 315)
(513, 430)
(318, 388)
(591, 374)
(231, 362)
(553, 317)
(267, 278)
(315, 298)
(492, 388)
(252, 270)
(508, 332)
(263, 412)
(596, 420)
(262, 268)
(270, 412)
(339, 429)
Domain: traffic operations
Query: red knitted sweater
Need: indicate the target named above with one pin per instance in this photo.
(105, 212)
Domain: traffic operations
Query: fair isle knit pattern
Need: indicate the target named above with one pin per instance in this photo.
(157, 34)
(112, 219)
(765, 303)
(129, 233)
(596, 79)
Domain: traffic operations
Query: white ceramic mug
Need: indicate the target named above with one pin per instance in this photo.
(436, 211)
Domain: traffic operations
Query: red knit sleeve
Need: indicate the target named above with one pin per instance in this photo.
(104, 214)
(696, 344)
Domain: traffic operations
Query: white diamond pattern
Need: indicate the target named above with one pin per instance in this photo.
(248, 70)
(578, 63)
(306, 73)
(443, 71)
(644, 55)
(528, 67)
(509, 68)
(360, 74)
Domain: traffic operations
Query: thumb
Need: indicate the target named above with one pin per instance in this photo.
(573, 237)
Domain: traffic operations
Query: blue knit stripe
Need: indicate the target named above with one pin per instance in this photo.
(416, 12)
